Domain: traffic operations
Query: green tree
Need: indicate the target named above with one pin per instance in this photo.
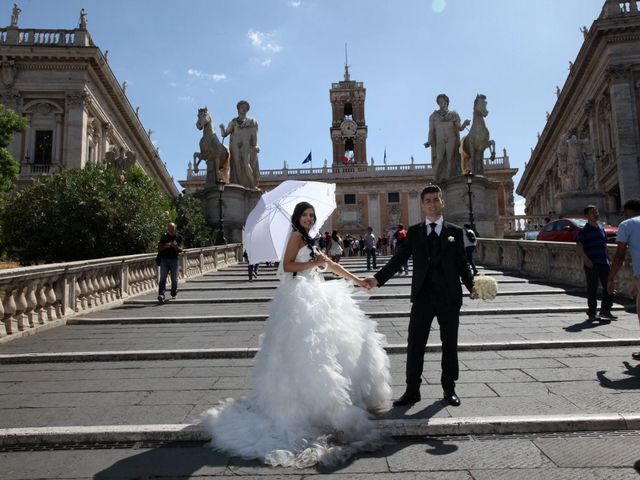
(10, 124)
(192, 224)
(81, 214)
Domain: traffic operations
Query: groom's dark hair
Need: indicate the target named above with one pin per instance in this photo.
(431, 188)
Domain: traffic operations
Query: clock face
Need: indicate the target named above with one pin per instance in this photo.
(348, 128)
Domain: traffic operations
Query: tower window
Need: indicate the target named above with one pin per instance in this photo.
(348, 110)
(393, 197)
(349, 198)
(44, 146)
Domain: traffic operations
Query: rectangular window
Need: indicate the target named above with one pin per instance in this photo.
(393, 197)
(44, 146)
(349, 198)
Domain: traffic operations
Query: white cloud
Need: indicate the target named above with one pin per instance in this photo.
(186, 99)
(295, 3)
(216, 77)
(263, 41)
(266, 63)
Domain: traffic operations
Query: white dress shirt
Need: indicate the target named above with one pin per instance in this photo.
(439, 223)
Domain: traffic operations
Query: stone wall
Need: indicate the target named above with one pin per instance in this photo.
(555, 262)
(43, 296)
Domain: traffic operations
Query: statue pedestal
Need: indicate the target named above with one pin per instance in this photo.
(484, 199)
(237, 202)
(571, 204)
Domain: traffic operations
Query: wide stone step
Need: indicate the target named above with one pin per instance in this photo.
(523, 424)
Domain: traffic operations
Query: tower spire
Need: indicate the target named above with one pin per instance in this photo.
(346, 65)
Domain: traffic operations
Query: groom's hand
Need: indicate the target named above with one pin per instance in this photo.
(371, 282)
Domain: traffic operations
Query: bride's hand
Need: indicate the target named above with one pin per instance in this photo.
(361, 283)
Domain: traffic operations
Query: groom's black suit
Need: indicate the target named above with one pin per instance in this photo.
(438, 265)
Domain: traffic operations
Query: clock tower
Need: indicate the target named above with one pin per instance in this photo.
(348, 128)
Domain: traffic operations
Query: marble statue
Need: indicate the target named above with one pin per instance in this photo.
(478, 140)
(245, 169)
(122, 160)
(83, 19)
(15, 15)
(212, 151)
(444, 140)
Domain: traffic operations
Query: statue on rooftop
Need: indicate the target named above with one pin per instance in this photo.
(15, 15)
(83, 19)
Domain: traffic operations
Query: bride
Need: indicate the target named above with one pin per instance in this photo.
(320, 369)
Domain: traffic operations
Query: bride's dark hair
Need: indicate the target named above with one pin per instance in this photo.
(295, 221)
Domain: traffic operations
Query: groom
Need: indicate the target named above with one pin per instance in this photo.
(439, 262)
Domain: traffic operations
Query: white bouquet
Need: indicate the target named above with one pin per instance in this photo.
(486, 287)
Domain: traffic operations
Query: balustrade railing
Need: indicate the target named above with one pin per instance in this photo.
(31, 297)
(555, 262)
(44, 37)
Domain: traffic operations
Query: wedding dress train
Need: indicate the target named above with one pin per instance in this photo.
(320, 369)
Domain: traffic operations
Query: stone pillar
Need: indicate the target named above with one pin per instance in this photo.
(625, 127)
(415, 213)
(374, 213)
(75, 130)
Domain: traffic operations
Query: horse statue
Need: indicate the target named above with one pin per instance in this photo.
(211, 150)
(473, 145)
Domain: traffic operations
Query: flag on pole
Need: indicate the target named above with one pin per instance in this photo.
(308, 159)
(385, 155)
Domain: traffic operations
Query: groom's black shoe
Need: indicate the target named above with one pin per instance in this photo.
(408, 398)
(452, 399)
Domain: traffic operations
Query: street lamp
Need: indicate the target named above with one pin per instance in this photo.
(469, 176)
(220, 240)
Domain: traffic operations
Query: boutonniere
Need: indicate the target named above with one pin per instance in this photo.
(451, 239)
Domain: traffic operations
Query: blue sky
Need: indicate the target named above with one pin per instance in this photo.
(282, 55)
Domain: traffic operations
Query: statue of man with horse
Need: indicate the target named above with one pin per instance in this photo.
(444, 140)
(212, 151)
(244, 147)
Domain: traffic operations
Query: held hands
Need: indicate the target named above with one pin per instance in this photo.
(362, 283)
(370, 282)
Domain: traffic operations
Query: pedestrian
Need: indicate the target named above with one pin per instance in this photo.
(470, 243)
(439, 265)
(628, 238)
(384, 241)
(400, 237)
(252, 269)
(169, 248)
(591, 245)
(370, 248)
(336, 250)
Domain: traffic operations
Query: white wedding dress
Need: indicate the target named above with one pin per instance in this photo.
(320, 369)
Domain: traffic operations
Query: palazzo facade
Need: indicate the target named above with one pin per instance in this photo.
(77, 111)
(589, 150)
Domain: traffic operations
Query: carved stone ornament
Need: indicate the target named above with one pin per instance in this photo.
(9, 71)
(618, 72)
(589, 107)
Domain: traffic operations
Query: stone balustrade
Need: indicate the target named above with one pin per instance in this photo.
(34, 297)
(44, 37)
(554, 262)
(522, 223)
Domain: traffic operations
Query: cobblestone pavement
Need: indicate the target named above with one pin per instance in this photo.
(225, 311)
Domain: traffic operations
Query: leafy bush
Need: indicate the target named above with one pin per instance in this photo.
(81, 214)
(10, 124)
(192, 224)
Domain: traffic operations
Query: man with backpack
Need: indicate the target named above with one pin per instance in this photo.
(470, 242)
